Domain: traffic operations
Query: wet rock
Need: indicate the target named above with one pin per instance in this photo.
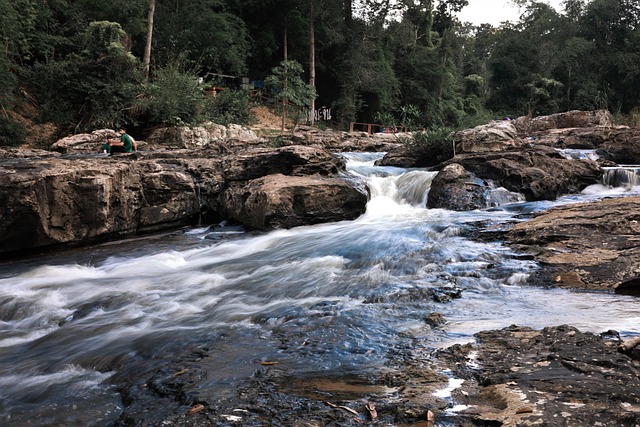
(537, 173)
(399, 157)
(279, 201)
(557, 376)
(590, 245)
(456, 189)
(435, 319)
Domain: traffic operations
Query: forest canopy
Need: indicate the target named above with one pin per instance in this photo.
(81, 65)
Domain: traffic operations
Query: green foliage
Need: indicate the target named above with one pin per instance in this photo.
(205, 35)
(7, 84)
(232, 106)
(393, 63)
(174, 98)
(385, 119)
(431, 147)
(544, 96)
(11, 133)
(94, 88)
(287, 84)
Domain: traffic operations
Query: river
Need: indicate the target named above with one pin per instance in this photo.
(333, 297)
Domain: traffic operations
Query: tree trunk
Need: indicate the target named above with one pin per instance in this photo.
(312, 62)
(285, 101)
(147, 46)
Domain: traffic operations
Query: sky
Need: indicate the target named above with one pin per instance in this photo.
(495, 11)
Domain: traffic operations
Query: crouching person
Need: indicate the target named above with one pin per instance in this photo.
(125, 144)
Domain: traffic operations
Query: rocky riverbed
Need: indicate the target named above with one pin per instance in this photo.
(516, 376)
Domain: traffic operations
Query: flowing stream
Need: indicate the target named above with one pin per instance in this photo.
(337, 296)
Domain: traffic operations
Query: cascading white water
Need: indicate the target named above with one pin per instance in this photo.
(340, 295)
(627, 177)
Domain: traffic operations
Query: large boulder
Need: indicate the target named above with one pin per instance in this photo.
(590, 245)
(279, 201)
(211, 135)
(291, 160)
(456, 189)
(496, 136)
(538, 174)
(84, 142)
(570, 119)
(58, 201)
(74, 199)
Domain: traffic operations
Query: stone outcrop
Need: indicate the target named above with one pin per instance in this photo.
(291, 160)
(593, 245)
(537, 174)
(84, 142)
(56, 201)
(455, 188)
(279, 201)
(346, 141)
(496, 136)
(557, 376)
(570, 119)
(72, 199)
(210, 135)
(522, 156)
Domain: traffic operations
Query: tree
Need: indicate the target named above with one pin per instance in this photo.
(286, 82)
(312, 60)
(147, 47)
(93, 88)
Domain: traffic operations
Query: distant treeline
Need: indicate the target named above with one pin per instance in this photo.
(84, 64)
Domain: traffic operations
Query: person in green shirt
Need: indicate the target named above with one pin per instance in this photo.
(125, 144)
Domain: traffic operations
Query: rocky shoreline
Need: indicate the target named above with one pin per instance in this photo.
(516, 376)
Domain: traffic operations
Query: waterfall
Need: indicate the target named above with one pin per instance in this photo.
(626, 177)
(578, 154)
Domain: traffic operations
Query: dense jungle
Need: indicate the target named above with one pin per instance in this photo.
(70, 66)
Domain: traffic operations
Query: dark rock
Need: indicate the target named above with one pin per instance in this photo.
(399, 157)
(456, 189)
(292, 160)
(435, 319)
(535, 173)
(557, 376)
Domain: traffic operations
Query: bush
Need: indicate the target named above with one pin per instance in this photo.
(232, 106)
(431, 147)
(11, 133)
(174, 98)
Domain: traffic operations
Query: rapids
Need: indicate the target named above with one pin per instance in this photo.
(339, 296)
